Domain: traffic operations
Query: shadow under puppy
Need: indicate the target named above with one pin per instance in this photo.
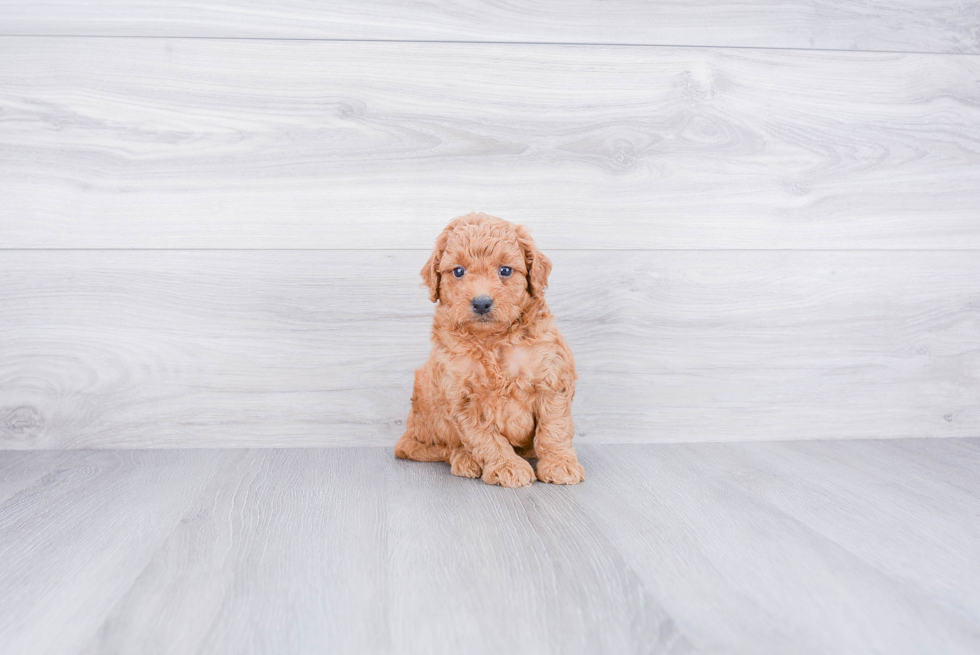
(498, 384)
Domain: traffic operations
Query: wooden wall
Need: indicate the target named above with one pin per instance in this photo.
(765, 219)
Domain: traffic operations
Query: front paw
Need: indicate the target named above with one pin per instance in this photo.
(509, 473)
(560, 470)
(461, 463)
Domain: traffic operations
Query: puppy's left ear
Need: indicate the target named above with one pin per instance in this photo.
(538, 265)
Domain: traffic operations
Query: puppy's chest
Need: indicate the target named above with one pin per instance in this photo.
(507, 374)
(516, 363)
(510, 387)
(510, 370)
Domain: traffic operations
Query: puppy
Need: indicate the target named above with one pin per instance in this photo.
(498, 385)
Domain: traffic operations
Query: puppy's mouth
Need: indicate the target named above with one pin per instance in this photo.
(484, 320)
(480, 324)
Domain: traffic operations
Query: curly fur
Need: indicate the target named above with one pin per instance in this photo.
(496, 388)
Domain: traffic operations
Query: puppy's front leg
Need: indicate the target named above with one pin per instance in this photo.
(557, 461)
(501, 465)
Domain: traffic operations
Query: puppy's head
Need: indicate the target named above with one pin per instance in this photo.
(485, 272)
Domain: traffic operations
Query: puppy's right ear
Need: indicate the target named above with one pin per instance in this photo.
(430, 272)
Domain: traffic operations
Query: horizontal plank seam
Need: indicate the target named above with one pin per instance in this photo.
(548, 248)
(503, 43)
(580, 442)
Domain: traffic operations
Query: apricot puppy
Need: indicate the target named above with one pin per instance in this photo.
(498, 385)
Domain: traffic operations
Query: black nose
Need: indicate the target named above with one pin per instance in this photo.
(482, 304)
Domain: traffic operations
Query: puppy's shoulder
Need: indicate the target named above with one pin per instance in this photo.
(548, 354)
(543, 333)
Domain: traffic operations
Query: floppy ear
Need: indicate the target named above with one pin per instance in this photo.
(538, 265)
(430, 272)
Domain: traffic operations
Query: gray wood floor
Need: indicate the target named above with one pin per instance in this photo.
(794, 547)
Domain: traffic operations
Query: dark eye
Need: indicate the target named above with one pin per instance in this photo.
(505, 271)
(458, 271)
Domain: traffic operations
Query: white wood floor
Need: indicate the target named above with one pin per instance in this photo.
(783, 548)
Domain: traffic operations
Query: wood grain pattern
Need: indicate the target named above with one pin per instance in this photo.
(148, 143)
(72, 544)
(366, 533)
(900, 25)
(266, 348)
(288, 553)
(802, 547)
(21, 469)
(755, 547)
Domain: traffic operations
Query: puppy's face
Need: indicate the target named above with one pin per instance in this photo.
(483, 282)
(485, 272)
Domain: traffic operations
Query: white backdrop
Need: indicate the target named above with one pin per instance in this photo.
(216, 241)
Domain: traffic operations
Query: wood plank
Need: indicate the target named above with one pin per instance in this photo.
(286, 554)
(269, 348)
(350, 550)
(775, 546)
(72, 546)
(956, 461)
(147, 143)
(666, 548)
(20, 470)
(566, 589)
(901, 25)
(862, 496)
